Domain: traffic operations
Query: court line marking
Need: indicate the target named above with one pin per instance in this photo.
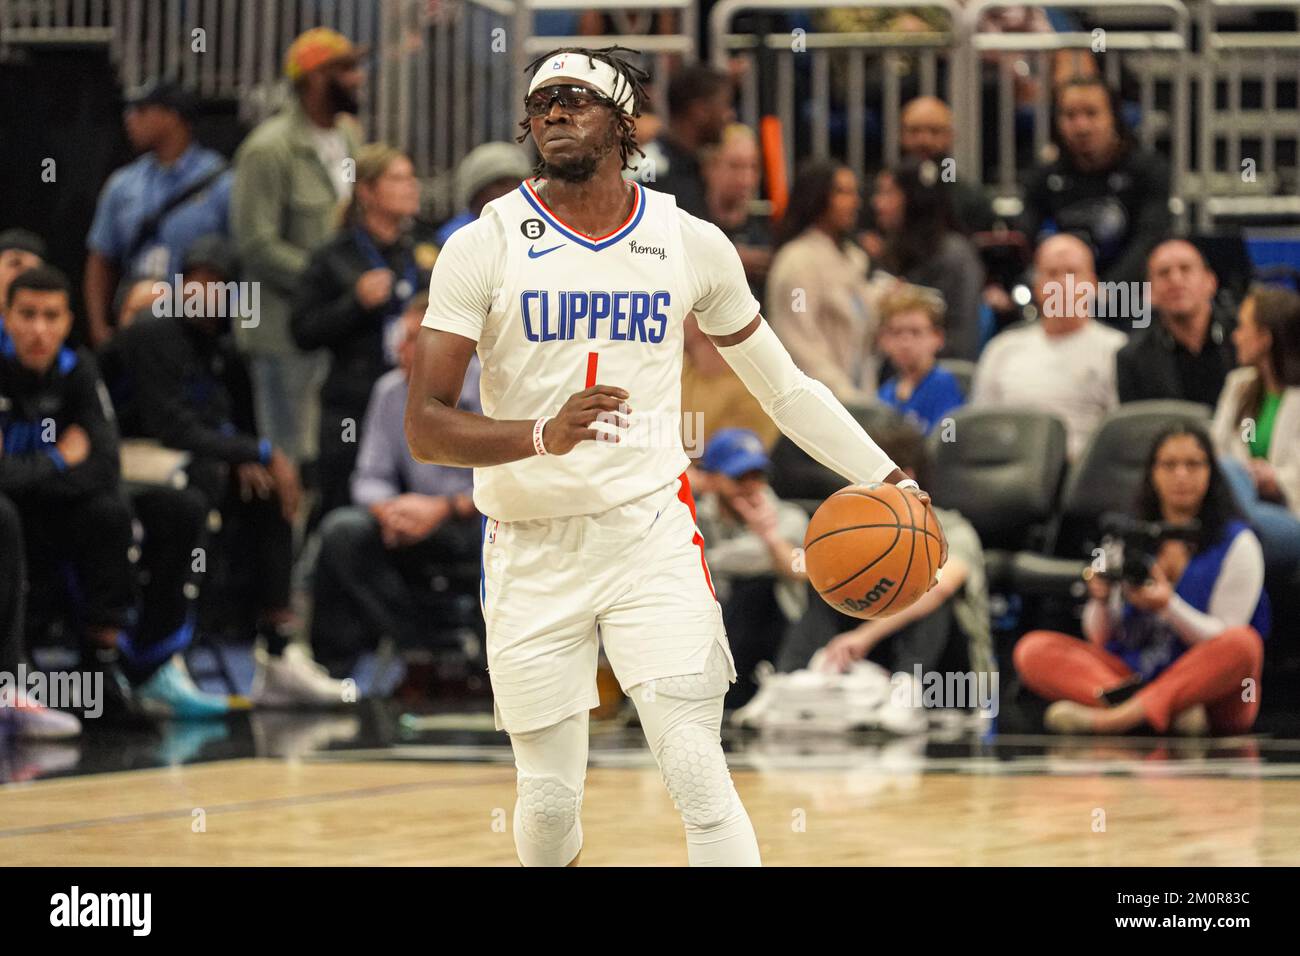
(889, 762)
(245, 805)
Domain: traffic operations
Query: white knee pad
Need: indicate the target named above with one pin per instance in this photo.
(548, 831)
(682, 717)
(552, 765)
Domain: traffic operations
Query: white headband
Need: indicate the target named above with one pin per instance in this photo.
(599, 74)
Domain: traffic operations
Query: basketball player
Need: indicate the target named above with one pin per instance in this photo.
(573, 289)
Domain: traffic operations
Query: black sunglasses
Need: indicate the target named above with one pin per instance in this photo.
(571, 99)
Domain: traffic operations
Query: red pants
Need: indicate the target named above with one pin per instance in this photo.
(1060, 667)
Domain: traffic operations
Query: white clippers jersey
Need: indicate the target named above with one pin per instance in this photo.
(548, 305)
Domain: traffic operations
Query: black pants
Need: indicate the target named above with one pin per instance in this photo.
(756, 627)
(338, 457)
(174, 521)
(922, 642)
(78, 552)
(365, 590)
(13, 578)
(250, 563)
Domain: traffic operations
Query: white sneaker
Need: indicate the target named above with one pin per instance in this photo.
(758, 706)
(28, 720)
(1192, 722)
(295, 680)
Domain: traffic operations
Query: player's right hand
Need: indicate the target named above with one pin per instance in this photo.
(573, 422)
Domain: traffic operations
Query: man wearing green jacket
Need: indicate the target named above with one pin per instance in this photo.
(292, 174)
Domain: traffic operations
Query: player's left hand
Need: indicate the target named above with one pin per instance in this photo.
(924, 498)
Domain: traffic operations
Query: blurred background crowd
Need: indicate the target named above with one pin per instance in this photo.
(190, 496)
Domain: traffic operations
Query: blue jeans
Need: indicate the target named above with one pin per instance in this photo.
(286, 397)
(1277, 528)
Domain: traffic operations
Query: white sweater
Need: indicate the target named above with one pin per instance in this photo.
(1284, 446)
(1071, 376)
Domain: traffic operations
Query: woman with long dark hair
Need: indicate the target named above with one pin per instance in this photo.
(1257, 422)
(1184, 649)
(818, 299)
(914, 214)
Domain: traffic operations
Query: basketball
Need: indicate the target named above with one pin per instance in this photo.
(871, 550)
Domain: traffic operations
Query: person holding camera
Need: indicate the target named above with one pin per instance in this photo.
(1181, 650)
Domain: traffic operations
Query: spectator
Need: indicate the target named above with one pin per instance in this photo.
(911, 337)
(926, 132)
(714, 397)
(20, 250)
(188, 388)
(291, 175)
(1101, 186)
(408, 520)
(1063, 364)
(152, 209)
(1257, 422)
(699, 109)
(1175, 651)
(818, 299)
(750, 537)
(1187, 352)
(647, 128)
(350, 299)
(951, 616)
(59, 477)
(731, 177)
(488, 171)
(919, 244)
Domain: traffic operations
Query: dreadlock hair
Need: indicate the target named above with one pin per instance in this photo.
(633, 76)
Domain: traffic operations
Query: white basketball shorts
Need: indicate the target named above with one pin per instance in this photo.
(632, 577)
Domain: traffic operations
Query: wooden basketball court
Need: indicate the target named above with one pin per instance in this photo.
(420, 808)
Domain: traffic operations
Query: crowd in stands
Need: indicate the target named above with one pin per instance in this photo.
(298, 482)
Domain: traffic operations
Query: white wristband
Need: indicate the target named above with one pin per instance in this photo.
(538, 426)
(908, 483)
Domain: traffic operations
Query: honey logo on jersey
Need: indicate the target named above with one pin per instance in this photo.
(639, 249)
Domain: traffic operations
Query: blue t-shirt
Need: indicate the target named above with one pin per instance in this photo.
(934, 397)
(138, 190)
(1148, 644)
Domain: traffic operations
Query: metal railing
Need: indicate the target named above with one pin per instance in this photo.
(1246, 186)
(444, 73)
(1123, 48)
(851, 55)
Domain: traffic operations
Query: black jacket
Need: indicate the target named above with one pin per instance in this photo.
(1123, 212)
(1148, 367)
(69, 393)
(182, 387)
(326, 314)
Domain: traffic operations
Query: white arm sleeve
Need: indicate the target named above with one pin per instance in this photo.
(1233, 599)
(805, 409)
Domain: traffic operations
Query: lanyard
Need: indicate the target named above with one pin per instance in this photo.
(403, 289)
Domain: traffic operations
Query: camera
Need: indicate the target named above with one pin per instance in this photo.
(1129, 545)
